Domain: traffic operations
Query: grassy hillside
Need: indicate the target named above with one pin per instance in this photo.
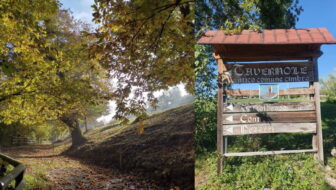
(164, 152)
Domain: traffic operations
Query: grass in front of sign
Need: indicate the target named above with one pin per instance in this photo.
(264, 172)
(297, 171)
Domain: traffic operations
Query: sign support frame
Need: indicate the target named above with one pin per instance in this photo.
(278, 55)
(220, 148)
(222, 140)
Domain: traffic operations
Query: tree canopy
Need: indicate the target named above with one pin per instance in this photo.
(25, 66)
(147, 46)
(46, 72)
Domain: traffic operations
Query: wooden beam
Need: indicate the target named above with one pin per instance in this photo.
(319, 137)
(296, 91)
(272, 58)
(314, 138)
(268, 128)
(269, 107)
(251, 52)
(220, 64)
(269, 152)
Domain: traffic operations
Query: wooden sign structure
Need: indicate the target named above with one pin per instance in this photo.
(270, 56)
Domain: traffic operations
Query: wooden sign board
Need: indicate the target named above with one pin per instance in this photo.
(268, 117)
(297, 91)
(269, 107)
(266, 128)
(271, 72)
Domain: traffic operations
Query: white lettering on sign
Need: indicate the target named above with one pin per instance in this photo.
(258, 107)
(239, 70)
(230, 118)
(229, 130)
(244, 129)
(271, 73)
(230, 107)
(246, 119)
(273, 80)
(264, 107)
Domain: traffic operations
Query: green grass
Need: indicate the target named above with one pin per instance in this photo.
(297, 171)
(37, 170)
(264, 172)
(39, 161)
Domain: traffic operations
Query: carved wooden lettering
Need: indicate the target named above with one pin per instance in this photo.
(264, 128)
(271, 72)
(269, 117)
(269, 107)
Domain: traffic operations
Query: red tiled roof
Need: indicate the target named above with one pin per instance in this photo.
(276, 36)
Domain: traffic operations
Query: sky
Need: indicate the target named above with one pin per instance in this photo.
(81, 9)
(316, 15)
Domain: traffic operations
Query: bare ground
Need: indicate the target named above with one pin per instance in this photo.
(48, 169)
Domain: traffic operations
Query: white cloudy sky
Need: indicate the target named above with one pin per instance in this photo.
(112, 106)
(81, 8)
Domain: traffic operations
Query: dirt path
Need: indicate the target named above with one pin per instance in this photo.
(48, 169)
(86, 178)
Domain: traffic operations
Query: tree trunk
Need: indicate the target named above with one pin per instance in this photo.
(86, 129)
(75, 131)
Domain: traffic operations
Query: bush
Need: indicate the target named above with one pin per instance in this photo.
(328, 88)
(206, 122)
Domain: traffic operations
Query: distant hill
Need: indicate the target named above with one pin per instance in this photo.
(164, 152)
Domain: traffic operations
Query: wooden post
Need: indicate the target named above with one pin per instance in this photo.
(314, 139)
(225, 88)
(86, 128)
(219, 117)
(224, 103)
(319, 137)
(318, 141)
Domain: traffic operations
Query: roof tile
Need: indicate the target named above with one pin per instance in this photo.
(280, 36)
(231, 38)
(276, 36)
(255, 37)
(269, 36)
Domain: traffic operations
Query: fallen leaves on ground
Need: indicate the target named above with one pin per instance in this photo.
(63, 173)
